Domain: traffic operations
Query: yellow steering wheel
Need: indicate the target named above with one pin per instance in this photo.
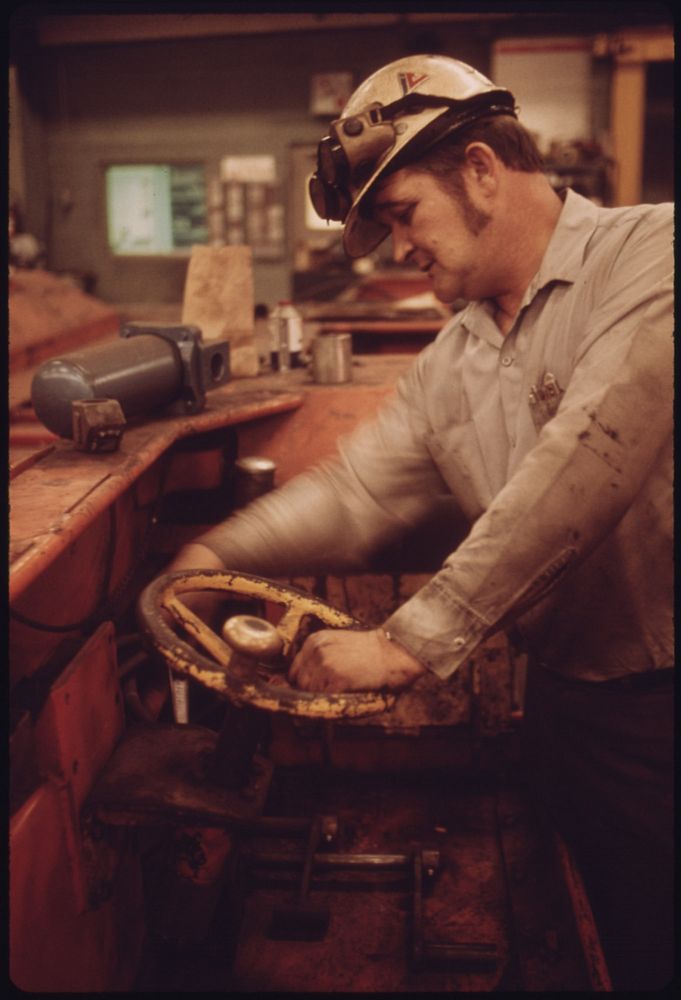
(248, 664)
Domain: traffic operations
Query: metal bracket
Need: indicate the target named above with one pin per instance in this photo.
(425, 954)
(424, 865)
(98, 424)
(161, 775)
(204, 366)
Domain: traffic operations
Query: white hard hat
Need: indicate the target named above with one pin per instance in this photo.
(413, 102)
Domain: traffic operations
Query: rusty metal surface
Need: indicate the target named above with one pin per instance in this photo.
(53, 946)
(160, 774)
(75, 735)
(472, 899)
(53, 500)
(549, 930)
(85, 583)
(82, 720)
(270, 692)
(65, 901)
(599, 975)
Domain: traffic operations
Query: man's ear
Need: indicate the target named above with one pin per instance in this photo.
(482, 165)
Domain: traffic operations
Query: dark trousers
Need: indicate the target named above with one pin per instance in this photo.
(601, 757)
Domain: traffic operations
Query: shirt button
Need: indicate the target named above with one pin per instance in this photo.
(458, 642)
(506, 360)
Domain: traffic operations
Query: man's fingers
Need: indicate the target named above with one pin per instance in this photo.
(310, 670)
(336, 660)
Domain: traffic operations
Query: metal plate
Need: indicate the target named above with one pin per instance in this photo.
(159, 775)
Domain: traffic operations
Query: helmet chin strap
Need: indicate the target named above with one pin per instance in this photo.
(445, 125)
(412, 103)
(501, 103)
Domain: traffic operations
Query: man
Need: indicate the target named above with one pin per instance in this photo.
(545, 408)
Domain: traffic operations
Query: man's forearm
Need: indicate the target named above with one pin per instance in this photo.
(194, 555)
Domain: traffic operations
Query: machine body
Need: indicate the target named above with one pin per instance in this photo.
(150, 368)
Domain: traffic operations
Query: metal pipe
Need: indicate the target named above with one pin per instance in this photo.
(325, 861)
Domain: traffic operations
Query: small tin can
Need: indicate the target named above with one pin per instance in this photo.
(253, 476)
(332, 358)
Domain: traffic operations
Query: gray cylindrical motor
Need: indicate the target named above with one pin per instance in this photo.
(144, 372)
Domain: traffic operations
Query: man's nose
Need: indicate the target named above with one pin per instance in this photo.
(402, 246)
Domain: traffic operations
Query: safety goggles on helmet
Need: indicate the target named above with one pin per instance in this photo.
(370, 136)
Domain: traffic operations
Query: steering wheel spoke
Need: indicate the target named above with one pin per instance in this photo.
(289, 625)
(198, 630)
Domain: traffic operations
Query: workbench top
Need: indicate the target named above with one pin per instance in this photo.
(56, 491)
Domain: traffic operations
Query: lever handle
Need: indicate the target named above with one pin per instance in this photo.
(252, 636)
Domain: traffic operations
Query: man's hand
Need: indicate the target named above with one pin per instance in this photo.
(336, 660)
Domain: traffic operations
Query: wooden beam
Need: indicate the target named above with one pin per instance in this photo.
(631, 52)
(84, 29)
(627, 128)
(653, 45)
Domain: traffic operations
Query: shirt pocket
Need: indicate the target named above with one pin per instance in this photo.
(544, 398)
(456, 453)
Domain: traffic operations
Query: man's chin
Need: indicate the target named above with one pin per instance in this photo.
(447, 296)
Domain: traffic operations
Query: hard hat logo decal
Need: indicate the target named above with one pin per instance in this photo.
(409, 81)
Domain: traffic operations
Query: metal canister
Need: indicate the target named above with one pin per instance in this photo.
(332, 358)
(253, 476)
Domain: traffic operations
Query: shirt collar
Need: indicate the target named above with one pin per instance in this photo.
(562, 260)
(564, 256)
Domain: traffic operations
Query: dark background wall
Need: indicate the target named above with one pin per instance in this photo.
(83, 106)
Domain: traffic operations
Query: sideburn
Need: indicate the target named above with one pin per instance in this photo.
(452, 183)
(474, 218)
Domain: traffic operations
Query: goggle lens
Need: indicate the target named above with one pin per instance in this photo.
(332, 165)
(345, 161)
(329, 202)
(318, 196)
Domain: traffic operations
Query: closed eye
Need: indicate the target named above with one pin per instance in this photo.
(390, 213)
(405, 217)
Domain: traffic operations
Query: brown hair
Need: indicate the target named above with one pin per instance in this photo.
(510, 140)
